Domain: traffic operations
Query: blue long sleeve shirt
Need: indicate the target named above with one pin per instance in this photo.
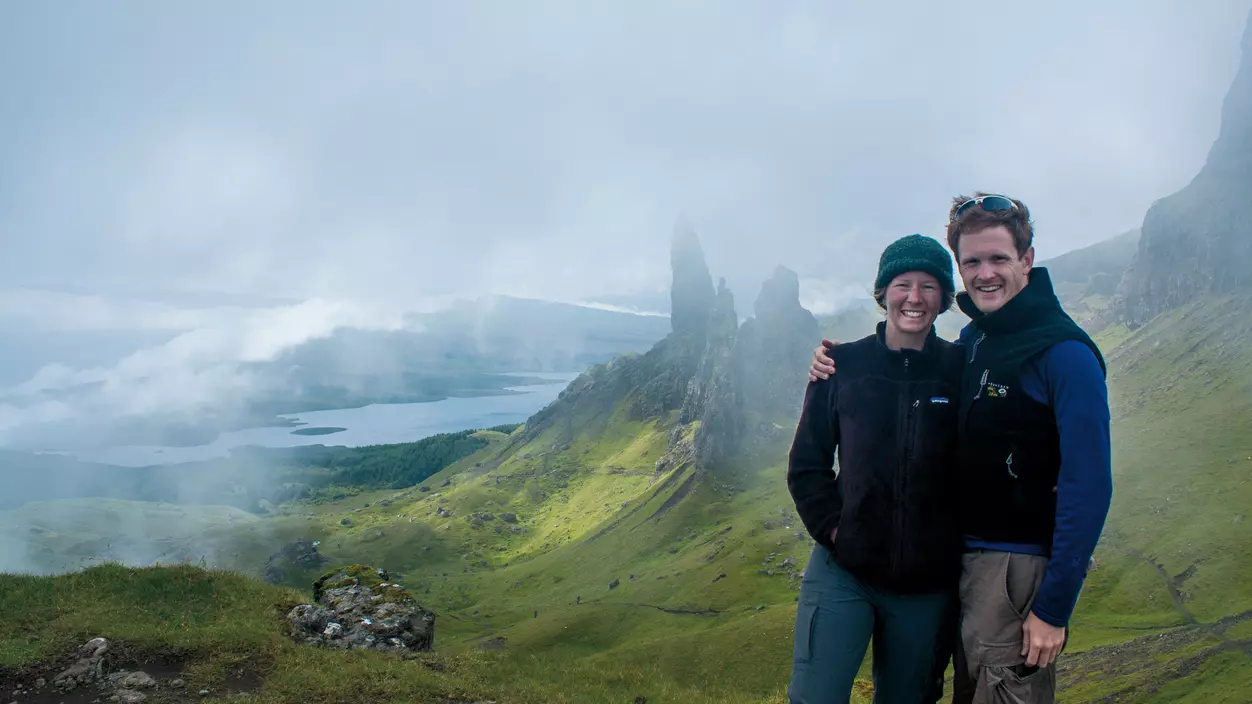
(1068, 378)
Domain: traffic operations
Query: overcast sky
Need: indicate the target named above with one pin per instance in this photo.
(300, 149)
(223, 180)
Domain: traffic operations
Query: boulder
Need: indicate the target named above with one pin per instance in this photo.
(298, 553)
(86, 670)
(274, 574)
(357, 608)
(133, 680)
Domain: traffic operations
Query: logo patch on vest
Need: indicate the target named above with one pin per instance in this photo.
(996, 390)
(938, 399)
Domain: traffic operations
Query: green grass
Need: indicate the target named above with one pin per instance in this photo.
(1180, 395)
(1182, 401)
(215, 620)
(1225, 678)
(702, 620)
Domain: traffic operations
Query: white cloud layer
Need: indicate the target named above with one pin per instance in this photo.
(355, 162)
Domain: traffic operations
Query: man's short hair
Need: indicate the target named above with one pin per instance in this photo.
(975, 219)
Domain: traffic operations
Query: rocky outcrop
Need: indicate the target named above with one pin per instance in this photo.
(773, 351)
(713, 395)
(657, 381)
(357, 608)
(1199, 240)
(691, 292)
(124, 686)
(87, 669)
(730, 383)
(300, 554)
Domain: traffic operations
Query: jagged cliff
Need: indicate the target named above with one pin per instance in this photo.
(1199, 240)
(774, 348)
(691, 292)
(735, 385)
(714, 394)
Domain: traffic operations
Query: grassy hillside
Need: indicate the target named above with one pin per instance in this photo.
(223, 633)
(689, 573)
(591, 561)
(1169, 604)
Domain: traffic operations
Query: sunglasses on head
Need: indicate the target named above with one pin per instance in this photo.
(992, 203)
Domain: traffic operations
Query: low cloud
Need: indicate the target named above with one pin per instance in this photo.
(203, 368)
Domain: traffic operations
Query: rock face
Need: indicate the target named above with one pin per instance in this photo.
(1199, 240)
(657, 381)
(691, 293)
(355, 608)
(729, 383)
(774, 349)
(714, 394)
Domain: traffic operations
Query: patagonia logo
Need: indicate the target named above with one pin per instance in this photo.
(938, 399)
(997, 390)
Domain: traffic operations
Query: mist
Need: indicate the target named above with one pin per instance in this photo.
(189, 194)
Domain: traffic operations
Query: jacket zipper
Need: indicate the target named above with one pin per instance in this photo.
(982, 384)
(967, 409)
(974, 352)
(901, 472)
(908, 460)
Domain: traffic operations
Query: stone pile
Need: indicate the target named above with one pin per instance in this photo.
(357, 608)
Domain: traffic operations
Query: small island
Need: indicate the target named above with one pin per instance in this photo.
(317, 431)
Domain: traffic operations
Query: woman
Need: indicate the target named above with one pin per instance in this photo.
(887, 557)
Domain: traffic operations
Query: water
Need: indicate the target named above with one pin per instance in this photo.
(379, 424)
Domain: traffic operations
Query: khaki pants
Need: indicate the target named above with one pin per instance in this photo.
(997, 590)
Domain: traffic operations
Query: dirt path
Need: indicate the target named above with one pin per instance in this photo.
(1175, 583)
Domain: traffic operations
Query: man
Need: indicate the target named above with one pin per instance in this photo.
(1034, 475)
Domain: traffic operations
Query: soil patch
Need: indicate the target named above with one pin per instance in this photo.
(172, 679)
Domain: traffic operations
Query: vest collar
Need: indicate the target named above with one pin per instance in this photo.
(1022, 312)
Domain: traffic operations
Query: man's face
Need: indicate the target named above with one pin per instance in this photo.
(991, 269)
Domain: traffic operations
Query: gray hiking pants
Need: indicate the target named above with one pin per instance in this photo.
(997, 589)
(835, 620)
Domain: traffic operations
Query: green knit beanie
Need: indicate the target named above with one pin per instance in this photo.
(915, 253)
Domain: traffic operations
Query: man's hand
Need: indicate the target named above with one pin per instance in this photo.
(823, 366)
(833, 532)
(1041, 641)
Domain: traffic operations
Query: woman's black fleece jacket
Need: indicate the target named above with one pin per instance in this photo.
(892, 418)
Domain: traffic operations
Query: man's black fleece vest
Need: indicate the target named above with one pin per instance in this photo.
(1009, 444)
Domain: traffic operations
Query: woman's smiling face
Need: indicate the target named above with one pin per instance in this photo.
(913, 300)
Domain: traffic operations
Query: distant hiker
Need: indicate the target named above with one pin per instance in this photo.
(1035, 478)
(888, 551)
